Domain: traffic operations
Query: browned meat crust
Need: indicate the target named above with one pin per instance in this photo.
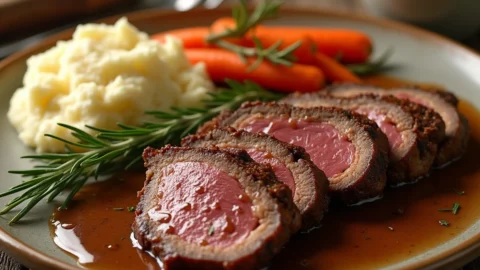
(278, 216)
(420, 128)
(311, 184)
(457, 130)
(366, 177)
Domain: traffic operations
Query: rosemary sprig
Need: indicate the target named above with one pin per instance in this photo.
(243, 24)
(111, 151)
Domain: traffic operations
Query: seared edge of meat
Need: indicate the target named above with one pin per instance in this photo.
(311, 184)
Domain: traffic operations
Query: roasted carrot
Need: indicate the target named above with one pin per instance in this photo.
(192, 37)
(303, 54)
(352, 46)
(223, 23)
(195, 37)
(334, 71)
(221, 64)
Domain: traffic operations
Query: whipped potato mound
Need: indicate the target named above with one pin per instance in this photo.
(105, 75)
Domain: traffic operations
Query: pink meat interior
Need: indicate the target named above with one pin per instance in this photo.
(203, 205)
(329, 150)
(393, 135)
(282, 173)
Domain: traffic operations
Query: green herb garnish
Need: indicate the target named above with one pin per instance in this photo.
(211, 230)
(244, 22)
(131, 209)
(455, 208)
(111, 151)
(444, 222)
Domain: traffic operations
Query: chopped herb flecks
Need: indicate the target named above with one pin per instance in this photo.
(211, 230)
(118, 209)
(131, 209)
(443, 223)
(455, 208)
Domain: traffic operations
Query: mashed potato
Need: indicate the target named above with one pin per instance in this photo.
(105, 75)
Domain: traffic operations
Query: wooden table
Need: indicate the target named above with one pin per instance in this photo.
(9, 263)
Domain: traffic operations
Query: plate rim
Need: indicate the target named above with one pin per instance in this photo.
(463, 253)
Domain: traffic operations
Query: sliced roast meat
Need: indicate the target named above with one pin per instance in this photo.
(412, 152)
(291, 164)
(457, 130)
(204, 208)
(348, 147)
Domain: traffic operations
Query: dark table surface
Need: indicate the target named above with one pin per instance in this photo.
(9, 263)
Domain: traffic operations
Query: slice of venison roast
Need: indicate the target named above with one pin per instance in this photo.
(412, 152)
(349, 148)
(205, 208)
(291, 164)
(457, 130)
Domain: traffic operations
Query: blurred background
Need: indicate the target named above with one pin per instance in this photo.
(23, 22)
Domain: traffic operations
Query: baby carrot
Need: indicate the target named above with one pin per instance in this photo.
(353, 46)
(194, 37)
(304, 54)
(222, 64)
(334, 71)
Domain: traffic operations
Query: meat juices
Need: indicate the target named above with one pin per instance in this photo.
(211, 209)
(413, 141)
(291, 164)
(356, 145)
(457, 130)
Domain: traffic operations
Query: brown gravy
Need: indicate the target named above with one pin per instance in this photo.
(403, 224)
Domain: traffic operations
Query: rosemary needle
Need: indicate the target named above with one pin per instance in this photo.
(111, 151)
